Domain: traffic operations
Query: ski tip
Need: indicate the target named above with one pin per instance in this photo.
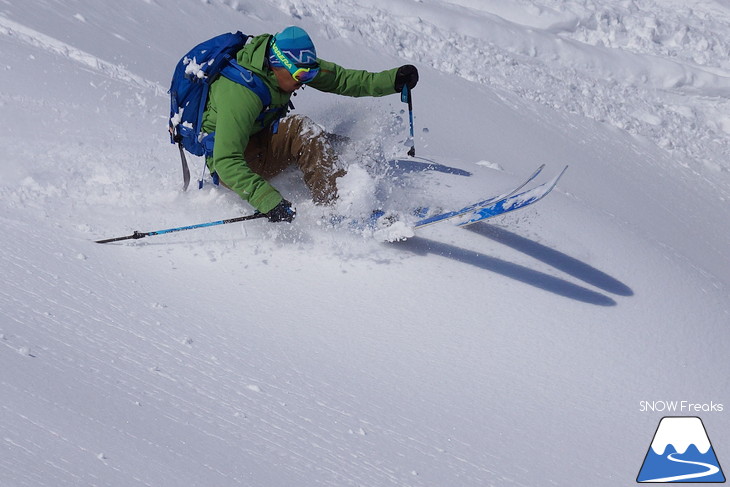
(553, 182)
(563, 171)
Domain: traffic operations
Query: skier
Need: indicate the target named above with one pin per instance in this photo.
(248, 152)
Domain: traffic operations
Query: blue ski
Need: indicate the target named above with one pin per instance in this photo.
(513, 202)
(475, 206)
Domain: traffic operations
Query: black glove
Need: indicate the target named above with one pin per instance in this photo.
(406, 76)
(283, 212)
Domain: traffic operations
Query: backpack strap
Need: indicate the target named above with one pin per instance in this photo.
(238, 74)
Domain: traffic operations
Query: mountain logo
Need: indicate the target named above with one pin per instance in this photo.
(681, 452)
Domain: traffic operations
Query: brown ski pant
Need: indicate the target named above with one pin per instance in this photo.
(302, 142)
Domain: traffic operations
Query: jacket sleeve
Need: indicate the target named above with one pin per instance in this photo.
(333, 78)
(233, 110)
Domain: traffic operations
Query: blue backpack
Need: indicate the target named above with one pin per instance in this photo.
(191, 81)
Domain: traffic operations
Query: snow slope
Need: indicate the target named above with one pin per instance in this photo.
(511, 353)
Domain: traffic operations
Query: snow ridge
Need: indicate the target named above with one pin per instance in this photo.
(31, 37)
(604, 62)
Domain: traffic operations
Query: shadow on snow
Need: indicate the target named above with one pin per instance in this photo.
(558, 260)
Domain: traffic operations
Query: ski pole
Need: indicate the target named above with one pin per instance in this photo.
(137, 235)
(406, 97)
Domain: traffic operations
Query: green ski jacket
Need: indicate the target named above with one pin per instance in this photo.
(232, 111)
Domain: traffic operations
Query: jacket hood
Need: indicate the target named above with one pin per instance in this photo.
(253, 55)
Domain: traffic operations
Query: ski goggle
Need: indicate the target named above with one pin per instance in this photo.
(301, 74)
(304, 75)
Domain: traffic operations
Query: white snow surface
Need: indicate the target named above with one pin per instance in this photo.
(514, 352)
